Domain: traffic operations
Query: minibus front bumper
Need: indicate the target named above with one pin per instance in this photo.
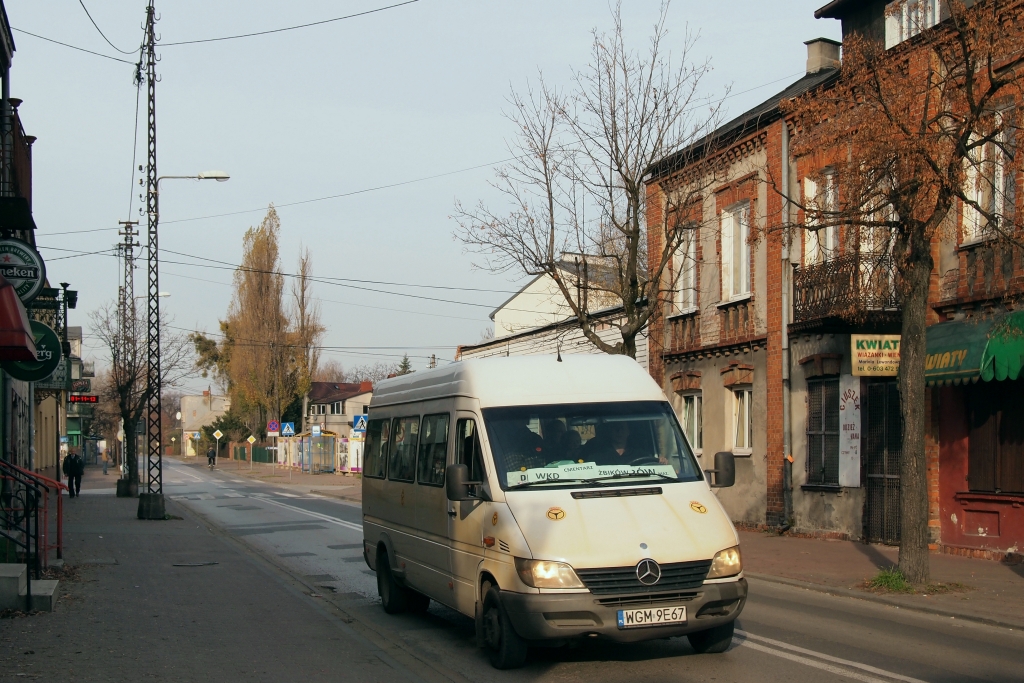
(566, 616)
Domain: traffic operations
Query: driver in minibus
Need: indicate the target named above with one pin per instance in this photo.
(608, 447)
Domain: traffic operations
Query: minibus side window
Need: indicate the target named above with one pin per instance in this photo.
(404, 439)
(375, 459)
(433, 450)
(467, 449)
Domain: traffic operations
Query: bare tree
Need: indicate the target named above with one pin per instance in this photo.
(330, 371)
(125, 381)
(579, 211)
(306, 329)
(907, 136)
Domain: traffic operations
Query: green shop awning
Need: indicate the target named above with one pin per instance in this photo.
(969, 350)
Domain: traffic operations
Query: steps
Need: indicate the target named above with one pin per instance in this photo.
(14, 590)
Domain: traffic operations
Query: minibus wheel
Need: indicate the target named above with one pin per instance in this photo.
(393, 597)
(416, 602)
(504, 646)
(712, 640)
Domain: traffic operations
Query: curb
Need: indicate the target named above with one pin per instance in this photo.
(881, 599)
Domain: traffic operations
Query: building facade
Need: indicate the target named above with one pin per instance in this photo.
(758, 351)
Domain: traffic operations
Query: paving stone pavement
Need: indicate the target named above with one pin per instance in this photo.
(173, 600)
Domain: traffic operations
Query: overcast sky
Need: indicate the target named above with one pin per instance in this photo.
(399, 95)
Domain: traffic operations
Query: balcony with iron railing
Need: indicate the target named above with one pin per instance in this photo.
(852, 288)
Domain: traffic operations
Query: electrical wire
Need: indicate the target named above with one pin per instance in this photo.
(73, 47)
(346, 279)
(96, 26)
(288, 28)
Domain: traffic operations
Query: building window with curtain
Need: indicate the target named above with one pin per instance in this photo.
(686, 274)
(821, 199)
(736, 252)
(743, 427)
(988, 184)
(823, 431)
(693, 426)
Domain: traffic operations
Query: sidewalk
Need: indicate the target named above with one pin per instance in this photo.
(995, 591)
(174, 600)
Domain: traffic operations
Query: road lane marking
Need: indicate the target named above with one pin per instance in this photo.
(747, 637)
(181, 470)
(317, 515)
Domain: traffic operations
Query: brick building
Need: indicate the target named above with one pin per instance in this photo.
(754, 344)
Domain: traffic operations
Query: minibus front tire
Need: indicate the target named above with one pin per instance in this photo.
(504, 646)
(713, 640)
(394, 598)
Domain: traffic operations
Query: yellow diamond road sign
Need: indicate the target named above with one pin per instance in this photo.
(217, 434)
(251, 440)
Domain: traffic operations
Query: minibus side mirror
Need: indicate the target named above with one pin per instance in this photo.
(456, 482)
(725, 470)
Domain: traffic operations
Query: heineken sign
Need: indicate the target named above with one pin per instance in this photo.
(23, 267)
(48, 356)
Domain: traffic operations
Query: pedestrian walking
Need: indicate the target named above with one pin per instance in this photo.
(74, 468)
(211, 457)
(105, 459)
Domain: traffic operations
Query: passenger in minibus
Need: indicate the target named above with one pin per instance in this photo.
(608, 447)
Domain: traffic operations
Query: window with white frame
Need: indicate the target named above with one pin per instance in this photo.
(686, 273)
(985, 184)
(906, 18)
(743, 427)
(736, 251)
(317, 408)
(693, 417)
(820, 243)
(338, 408)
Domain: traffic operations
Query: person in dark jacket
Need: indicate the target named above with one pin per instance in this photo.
(74, 468)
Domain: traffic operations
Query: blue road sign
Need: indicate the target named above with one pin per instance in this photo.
(359, 423)
(314, 430)
(287, 429)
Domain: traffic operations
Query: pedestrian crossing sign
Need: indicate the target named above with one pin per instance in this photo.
(287, 429)
(359, 423)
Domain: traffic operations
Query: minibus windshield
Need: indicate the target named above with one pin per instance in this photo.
(588, 445)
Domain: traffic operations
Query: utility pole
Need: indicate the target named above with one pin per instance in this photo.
(127, 347)
(151, 503)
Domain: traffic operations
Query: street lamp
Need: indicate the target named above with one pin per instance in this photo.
(151, 504)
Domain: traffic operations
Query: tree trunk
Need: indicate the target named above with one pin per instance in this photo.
(131, 456)
(913, 560)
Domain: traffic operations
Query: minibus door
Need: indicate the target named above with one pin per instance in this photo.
(465, 531)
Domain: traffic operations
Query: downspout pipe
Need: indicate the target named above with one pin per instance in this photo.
(787, 274)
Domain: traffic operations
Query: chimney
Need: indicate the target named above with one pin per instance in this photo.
(365, 386)
(822, 53)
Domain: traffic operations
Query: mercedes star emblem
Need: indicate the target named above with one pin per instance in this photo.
(648, 572)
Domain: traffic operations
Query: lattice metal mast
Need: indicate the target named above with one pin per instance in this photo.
(153, 377)
(126, 299)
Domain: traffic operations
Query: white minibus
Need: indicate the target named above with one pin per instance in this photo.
(551, 500)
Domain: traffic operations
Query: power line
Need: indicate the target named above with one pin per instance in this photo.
(288, 28)
(344, 194)
(347, 279)
(73, 47)
(96, 26)
(334, 301)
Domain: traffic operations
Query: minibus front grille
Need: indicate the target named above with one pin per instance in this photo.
(653, 599)
(617, 493)
(622, 580)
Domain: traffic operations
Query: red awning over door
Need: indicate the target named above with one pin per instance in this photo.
(16, 341)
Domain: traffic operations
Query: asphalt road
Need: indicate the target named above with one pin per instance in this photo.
(784, 633)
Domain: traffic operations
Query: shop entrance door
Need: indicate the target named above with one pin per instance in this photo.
(881, 441)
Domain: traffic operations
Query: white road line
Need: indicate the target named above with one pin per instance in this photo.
(182, 470)
(317, 515)
(289, 495)
(820, 665)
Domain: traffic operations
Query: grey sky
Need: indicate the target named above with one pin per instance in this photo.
(403, 94)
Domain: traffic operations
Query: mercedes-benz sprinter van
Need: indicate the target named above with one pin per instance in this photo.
(550, 499)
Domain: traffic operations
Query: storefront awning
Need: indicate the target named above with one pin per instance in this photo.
(968, 350)
(16, 340)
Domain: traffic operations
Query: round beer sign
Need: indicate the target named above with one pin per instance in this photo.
(23, 267)
(48, 355)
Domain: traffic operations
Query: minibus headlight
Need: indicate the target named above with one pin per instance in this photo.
(726, 563)
(546, 574)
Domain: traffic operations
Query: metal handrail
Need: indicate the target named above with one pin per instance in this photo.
(48, 485)
(19, 517)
